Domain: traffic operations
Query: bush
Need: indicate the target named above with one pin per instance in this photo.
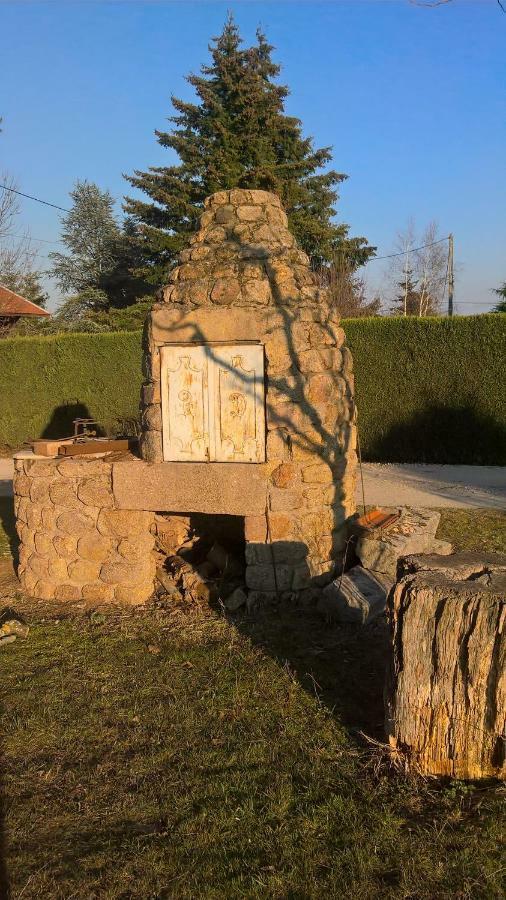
(46, 382)
(431, 390)
(428, 390)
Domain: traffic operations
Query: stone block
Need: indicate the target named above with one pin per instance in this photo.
(33, 515)
(234, 488)
(40, 468)
(151, 446)
(281, 526)
(68, 592)
(75, 523)
(285, 475)
(283, 552)
(121, 571)
(413, 533)
(124, 523)
(257, 292)
(249, 213)
(45, 589)
(137, 549)
(96, 491)
(63, 492)
(94, 546)
(281, 499)
(65, 545)
(39, 490)
(133, 595)
(152, 417)
(263, 578)
(38, 565)
(357, 597)
(82, 468)
(43, 544)
(317, 473)
(310, 361)
(22, 485)
(82, 570)
(58, 570)
(98, 592)
(255, 528)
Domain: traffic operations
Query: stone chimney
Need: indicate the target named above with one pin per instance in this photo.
(249, 389)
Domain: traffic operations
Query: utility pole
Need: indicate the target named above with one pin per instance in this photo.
(451, 280)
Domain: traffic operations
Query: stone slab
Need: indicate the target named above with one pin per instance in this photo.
(356, 598)
(170, 326)
(236, 489)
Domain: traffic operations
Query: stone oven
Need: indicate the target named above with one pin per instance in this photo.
(247, 424)
(247, 407)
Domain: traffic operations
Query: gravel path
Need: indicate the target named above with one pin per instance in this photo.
(392, 484)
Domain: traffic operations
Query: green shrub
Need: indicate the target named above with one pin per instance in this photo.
(428, 390)
(431, 390)
(45, 382)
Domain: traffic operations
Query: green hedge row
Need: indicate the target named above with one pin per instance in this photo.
(46, 382)
(428, 390)
(431, 390)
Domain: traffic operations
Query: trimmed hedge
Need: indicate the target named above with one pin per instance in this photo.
(428, 390)
(431, 390)
(46, 382)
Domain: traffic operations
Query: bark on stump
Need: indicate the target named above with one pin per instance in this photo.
(445, 695)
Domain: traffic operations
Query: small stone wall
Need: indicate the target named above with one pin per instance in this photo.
(75, 544)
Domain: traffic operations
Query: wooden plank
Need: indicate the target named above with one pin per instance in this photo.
(85, 447)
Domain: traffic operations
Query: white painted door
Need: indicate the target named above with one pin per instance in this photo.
(185, 403)
(236, 392)
(213, 402)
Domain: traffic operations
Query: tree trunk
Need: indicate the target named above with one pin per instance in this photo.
(446, 689)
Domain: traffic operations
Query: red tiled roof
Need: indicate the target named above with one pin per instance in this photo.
(12, 304)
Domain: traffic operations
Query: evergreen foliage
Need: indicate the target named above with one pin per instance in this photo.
(238, 135)
(96, 273)
(501, 306)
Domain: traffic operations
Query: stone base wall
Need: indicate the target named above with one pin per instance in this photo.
(74, 543)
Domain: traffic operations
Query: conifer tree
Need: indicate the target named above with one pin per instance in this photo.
(238, 135)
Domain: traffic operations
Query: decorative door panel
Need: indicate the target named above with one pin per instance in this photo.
(185, 403)
(236, 394)
(213, 402)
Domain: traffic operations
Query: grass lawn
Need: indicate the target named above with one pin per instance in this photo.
(181, 755)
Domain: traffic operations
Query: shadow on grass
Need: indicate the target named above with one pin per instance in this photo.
(8, 538)
(343, 665)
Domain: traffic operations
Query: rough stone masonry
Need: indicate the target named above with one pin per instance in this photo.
(86, 525)
(244, 279)
(74, 543)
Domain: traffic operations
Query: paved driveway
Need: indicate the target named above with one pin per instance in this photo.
(389, 484)
(464, 487)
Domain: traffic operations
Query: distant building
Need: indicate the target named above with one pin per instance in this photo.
(13, 307)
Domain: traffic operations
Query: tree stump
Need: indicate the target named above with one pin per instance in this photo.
(445, 694)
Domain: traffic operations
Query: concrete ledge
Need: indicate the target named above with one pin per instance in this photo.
(237, 489)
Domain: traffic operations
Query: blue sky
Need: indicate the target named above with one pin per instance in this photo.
(412, 100)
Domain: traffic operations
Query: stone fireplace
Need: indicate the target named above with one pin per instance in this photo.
(247, 406)
(247, 438)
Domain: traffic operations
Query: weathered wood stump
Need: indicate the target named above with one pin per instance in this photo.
(445, 694)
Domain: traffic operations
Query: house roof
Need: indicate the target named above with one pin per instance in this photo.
(12, 304)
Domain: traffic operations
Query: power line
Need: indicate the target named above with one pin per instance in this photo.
(28, 237)
(403, 252)
(37, 200)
